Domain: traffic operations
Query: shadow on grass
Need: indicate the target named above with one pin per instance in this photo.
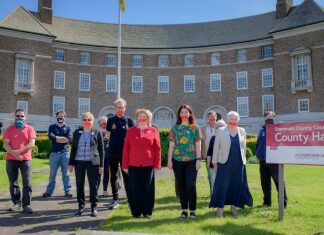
(232, 228)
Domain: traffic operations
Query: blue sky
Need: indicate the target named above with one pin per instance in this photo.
(151, 11)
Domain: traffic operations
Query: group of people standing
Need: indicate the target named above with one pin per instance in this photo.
(136, 149)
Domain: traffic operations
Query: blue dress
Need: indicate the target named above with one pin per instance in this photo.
(231, 186)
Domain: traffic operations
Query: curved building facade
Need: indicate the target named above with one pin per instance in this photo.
(273, 61)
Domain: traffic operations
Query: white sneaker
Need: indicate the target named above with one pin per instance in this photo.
(113, 205)
(105, 194)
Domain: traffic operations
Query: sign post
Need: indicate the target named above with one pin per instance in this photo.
(294, 143)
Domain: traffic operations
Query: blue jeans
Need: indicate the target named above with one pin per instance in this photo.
(57, 160)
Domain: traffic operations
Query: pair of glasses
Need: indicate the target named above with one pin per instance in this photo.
(86, 120)
(20, 116)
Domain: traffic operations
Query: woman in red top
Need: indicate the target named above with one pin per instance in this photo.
(141, 155)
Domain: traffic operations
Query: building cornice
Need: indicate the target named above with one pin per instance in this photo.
(299, 30)
(25, 35)
(159, 51)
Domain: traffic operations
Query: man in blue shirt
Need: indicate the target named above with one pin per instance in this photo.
(267, 171)
(60, 135)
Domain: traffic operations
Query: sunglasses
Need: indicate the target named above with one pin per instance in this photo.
(86, 120)
(20, 116)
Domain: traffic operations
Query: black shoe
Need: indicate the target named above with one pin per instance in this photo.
(46, 194)
(183, 215)
(147, 216)
(79, 212)
(16, 207)
(28, 210)
(94, 212)
(68, 195)
(192, 215)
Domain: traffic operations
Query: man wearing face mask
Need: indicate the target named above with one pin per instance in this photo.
(267, 171)
(18, 141)
(60, 135)
(117, 126)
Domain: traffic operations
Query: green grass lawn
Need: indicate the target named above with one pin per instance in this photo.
(38, 167)
(304, 214)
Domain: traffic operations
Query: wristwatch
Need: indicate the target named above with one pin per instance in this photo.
(198, 158)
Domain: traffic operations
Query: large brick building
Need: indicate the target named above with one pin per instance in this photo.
(273, 61)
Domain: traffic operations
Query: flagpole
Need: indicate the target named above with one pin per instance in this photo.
(119, 51)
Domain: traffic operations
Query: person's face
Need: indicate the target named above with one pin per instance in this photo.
(120, 109)
(142, 118)
(20, 115)
(212, 118)
(269, 116)
(87, 122)
(233, 120)
(103, 122)
(184, 114)
(60, 115)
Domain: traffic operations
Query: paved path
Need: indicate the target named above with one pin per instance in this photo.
(55, 215)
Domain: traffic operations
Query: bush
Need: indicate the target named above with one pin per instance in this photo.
(44, 144)
(43, 155)
(251, 144)
(35, 152)
(164, 133)
(249, 153)
(2, 155)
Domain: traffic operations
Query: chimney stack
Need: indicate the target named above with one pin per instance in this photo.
(45, 11)
(283, 7)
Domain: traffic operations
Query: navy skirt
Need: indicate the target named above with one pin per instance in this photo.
(231, 187)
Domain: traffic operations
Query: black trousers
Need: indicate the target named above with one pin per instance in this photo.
(12, 167)
(81, 169)
(268, 171)
(114, 162)
(186, 175)
(141, 187)
(105, 179)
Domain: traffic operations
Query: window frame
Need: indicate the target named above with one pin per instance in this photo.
(263, 78)
(137, 58)
(112, 77)
(168, 84)
(263, 106)
(55, 73)
(237, 80)
(238, 105)
(187, 77)
(26, 105)
(80, 82)
(189, 60)
(219, 77)
(83, 99)
(82, 56)
(53, 108)
(299, 105)
(141, 82)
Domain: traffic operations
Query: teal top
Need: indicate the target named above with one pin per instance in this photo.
(185, 138)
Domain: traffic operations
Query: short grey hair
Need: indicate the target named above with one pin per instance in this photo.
(233, 113)
(120, 100)
(103, 118)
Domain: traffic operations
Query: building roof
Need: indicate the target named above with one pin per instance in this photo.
(165, 36)
(306, 13)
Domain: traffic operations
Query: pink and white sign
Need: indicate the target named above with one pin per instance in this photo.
(296, 143)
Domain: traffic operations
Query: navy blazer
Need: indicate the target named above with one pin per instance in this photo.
(96, 146)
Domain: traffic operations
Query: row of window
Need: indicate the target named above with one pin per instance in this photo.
(163, 82)
(164, 61)
(242, 105)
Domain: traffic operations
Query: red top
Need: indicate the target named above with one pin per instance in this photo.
(142, 148)
(19, 138)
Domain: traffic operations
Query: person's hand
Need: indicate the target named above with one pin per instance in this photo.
(208, 160)
(125, 170)
(101, 169)
(19, 158)
(71, 168)
(215, 167)
(198, 165)
(170, 165)
(157, 169)
(15, 153)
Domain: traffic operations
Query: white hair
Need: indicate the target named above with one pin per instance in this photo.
(233, 113)
(120, 100)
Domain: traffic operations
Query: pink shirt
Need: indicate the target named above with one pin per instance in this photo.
(18, 138)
